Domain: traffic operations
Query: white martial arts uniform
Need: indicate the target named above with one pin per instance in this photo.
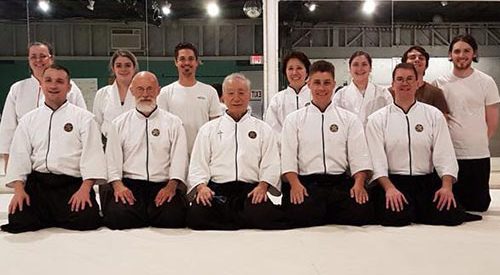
(147, 148)
(284, 103)
(226, 151)
(413, 143)
(24, 96)
(108, 106)
(66, 141)
(193, 105)
(329, 142)
(351, 99)
(467, 99)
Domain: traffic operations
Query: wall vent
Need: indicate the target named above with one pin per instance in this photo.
(128, 39)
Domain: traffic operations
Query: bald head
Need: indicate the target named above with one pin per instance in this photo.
(145, 88)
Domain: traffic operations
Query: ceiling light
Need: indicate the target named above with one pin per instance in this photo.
(213, 9)
(311, 6)
(369, 6)
(165, 8)
(90, 6)
(252, 8)
(44, 5)
(444, 3)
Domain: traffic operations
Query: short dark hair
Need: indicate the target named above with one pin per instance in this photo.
(404, 66)
(123, 53)
(42, 43)
(469, 39)
(302, 57)
(420, 50)
(322, 66)
(186, 46)
(59, 68)
(360, 53)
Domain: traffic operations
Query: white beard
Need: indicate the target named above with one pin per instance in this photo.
(144, 107)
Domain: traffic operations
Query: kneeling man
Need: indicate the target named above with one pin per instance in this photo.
(55, 158)
(235, 161)
(147, 160)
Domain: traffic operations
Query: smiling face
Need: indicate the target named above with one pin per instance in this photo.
(404, 84)
(462, 55)
(418, 60)
(360, 68)
(296, 73)
(236, 95)
(186, 62)
(39, 59)
(321, 85)
(55, 85)
(123, 69)
(145, 89)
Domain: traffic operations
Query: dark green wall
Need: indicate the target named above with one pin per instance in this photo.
(208, 72)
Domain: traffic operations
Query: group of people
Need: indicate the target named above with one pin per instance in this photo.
(172, 157)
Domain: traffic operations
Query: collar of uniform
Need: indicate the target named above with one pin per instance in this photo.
(302, 89)
(315, 108)
(60, 107)
(399, 109)
(153, 114)
(244, 117)
(33, 78)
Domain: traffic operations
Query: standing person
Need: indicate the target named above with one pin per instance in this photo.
(361, 97)
(472, 97)
(194, 102)
(319, 144)
(113, 100)
(426, 92)
(147, 163)
(56, 156)
(295, 96)
(408, 140)
(26, 95)
(235, 161)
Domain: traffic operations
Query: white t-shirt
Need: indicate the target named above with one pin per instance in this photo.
(65, 141)
(193, 105)
(283, 103)
(329, 142)
(24, 96)
(467, 99)
(108, 106)
(226, 150)
(412, 143)
(351, 99)
(147, 148)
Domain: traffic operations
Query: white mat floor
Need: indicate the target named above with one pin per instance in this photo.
(473, 248)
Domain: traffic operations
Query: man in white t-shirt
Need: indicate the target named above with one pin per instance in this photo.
(191, 100)
(472, 98)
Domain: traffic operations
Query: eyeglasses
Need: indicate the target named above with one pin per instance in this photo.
(39, 57)
(401, 80)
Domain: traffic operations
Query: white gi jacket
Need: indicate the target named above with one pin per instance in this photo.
(412, 143)
(65, 141)
(193, 105)
(283, 103)
(107, 105)
(329, 142)
(351, 99)
(226, 150)
(24, 96)
(147, 148)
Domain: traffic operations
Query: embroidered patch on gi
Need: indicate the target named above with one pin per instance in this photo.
(334, 128)
(201, 97)
(68, 127)
(252, 134)
(155, 132)
(419, 128)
